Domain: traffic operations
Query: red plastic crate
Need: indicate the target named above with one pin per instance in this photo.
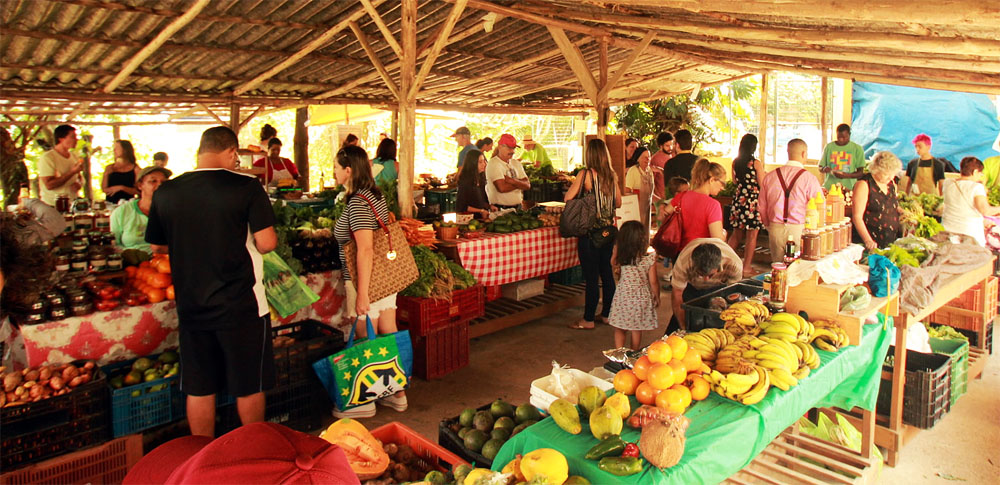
(493, 293)
(432, 453)
(107, 463)
(426, 314)
(970, 300)
(442, 351)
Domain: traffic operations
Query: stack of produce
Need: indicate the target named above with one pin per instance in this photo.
(915, 221)
(305, 237)
(150, 280)
(550, 219)
(487, 430)
(38, 383)
(744, 317)
(145, 369)
(417, 233)
(668, 376)
(514, 222)
(829, 336)
(437, 277)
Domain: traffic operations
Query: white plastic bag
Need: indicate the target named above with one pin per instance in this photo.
(564, 385)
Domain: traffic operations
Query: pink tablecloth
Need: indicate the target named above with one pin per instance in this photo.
(131, 332)
(497, 259)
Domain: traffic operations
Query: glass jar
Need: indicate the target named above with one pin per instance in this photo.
(37, 317)
(102, 220)
(98, 262)
(62, 262)
(826, 241)
(810, 245)
(845, 236)
(109, 240)
(78, 263)
(83, 223)
(68, 219)
(77, 296)
(62, 204)
(81, 309)
(81, 205)
(55, 299)
(779, 285)
(58, 313)
(850, 230)
(95, 238)
(114, 262)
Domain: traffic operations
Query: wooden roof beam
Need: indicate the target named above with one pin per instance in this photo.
(617, 76)
(212, 114)
(232, 19)
(954, 12)
(379, 67)
(314, 44)
(520, 93)
(439, 43)
(386, 33)
(576, 62)
(160, 39)
(536, 19)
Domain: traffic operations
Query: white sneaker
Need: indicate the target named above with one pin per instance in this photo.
(362, 411)
(395, 401)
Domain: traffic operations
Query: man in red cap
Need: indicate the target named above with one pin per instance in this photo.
(463, 137)
(255, 453)
(505, 177)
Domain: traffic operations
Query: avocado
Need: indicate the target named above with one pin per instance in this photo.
(133, 378)
(527, 412)
(491, 448)
(475, 439)
(483, 421)
(500, 408)
(461, 471)
(501, 434)
(142, 364)
(462, 432)
(168, 357)
(505, 422)
(520, 427)
(118, 382)
(465, 419)
(435, 476)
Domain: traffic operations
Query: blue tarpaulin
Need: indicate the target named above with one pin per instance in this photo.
(887, 117)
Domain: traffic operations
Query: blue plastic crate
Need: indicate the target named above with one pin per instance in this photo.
(141, 406)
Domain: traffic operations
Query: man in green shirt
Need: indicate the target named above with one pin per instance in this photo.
(534, 152)
(991, 169)
(843, 160)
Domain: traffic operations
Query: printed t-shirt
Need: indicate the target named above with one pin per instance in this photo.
(848, 158)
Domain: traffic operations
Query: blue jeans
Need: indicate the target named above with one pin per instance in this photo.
(596, 263)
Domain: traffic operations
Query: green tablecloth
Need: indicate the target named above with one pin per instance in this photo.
(725, 436)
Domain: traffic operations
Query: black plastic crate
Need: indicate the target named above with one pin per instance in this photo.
(699, 316)
(451, 442)
(297, 406)
(40, 430)
(927, 393)
(313, 341)
(974, 338)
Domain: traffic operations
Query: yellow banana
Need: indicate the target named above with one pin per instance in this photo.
(801, 373)
(759, 390)
(809, 355)
(824, 345)
(776, 348)
(783, 379)
(789, 318)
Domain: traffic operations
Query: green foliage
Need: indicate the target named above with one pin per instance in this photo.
(944, 332)
(900, 256)
(463, 278)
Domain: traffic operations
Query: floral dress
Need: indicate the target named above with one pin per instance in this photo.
(632, 308)
(743, 213)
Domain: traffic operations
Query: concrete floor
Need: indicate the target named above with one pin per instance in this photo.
(965, 446)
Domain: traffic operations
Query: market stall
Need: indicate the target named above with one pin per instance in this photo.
(496, 259)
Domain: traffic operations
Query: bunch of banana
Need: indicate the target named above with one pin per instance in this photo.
(742, 317)
(829, 336)
(747, 388)
(786, 362)
(732, 357)
(708, 342)
(788, 327)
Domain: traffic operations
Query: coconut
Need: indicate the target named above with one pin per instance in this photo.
(662, 442)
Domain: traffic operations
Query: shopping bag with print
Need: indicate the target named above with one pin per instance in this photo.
(284, 289)
(367, 370)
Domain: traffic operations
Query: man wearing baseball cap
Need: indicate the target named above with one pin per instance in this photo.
(505, 177)
(534, 152)
(463, 137)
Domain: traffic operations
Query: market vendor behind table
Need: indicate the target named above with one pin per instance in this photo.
(278, 167)
(705, 265)
(129, 220)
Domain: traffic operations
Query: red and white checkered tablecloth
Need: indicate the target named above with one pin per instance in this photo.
(497, 259)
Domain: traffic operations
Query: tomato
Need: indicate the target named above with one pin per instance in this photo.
(105, 293)
(170, 292)
(156, 295)
(159, 280)
(163, 266)
(130, 271)
(105, 305)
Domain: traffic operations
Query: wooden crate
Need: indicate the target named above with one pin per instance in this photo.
(796, 458)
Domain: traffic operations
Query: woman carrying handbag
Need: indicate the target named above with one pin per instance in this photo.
(595, 248)
(366, 213)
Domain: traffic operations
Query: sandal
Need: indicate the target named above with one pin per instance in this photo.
(578, 326)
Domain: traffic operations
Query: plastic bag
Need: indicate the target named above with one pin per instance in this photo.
(842, 433)
(880, 269)
(564, 385)
(854, 299)
(284, 289)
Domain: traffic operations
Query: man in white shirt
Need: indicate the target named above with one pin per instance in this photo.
(58, 169)
(505, 177)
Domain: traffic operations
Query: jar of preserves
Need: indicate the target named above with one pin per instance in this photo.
(81, 309)
(102, 220)
(37, 317)
(109, 240)
(826, 242)
(62, 262)
(98, 262)
(850, 230)
(779, 285)
(55, 298)
(62, 204)
(68, 219)
(95, 238)
(844, 237)
(810, 245)
(114, 262)
(79, 262)
(77, 296)
(83, 223)
(58, 313)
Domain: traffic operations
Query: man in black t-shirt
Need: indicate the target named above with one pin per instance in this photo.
(215, 224)
(683, 162)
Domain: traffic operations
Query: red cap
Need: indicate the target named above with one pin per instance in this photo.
(507, 139)
(255, 453)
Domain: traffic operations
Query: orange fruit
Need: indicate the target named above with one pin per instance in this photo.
(155, 295)
(626, 382)
(699, 387)
(661, 376)
(678, 346)
(170, 292)
(685, 394)
(130, 271)
(670, 400)
(641, 368)
(705, 369)
(692, 361)
(680, 372)
(659, 352)
(646, 394)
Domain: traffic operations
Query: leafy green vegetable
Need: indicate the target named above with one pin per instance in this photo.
(463, 278)
(945, 332)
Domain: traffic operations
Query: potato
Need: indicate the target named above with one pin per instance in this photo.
(76, 381)
(70, 372)
(31, 375)
(45, 373)
(56, 383)
(11, 381)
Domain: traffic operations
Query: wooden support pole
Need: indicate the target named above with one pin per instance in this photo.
(601, 101)
(407, 106)
(439, 43)
(386, 33)
(606, 87)
(314, 44)
(301, 142)
(576, 61)
(234, 118)
(824, 120)
(762, 121)
(116, 132)
(376, 62)
(155, 44)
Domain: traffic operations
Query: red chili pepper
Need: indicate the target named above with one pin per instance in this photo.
(631, 451)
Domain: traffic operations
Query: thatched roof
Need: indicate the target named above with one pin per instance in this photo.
(184, 56)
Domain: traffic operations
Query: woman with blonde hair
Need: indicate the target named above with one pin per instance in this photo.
(598, 177)
(700, 212)
(876, 208)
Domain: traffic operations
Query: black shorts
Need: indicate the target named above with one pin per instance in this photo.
(239, 361)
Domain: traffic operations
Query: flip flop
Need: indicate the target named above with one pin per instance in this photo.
(577, 326)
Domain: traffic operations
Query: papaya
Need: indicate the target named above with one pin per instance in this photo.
(364, 452)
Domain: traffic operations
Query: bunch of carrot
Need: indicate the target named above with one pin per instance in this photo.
(417, 232)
